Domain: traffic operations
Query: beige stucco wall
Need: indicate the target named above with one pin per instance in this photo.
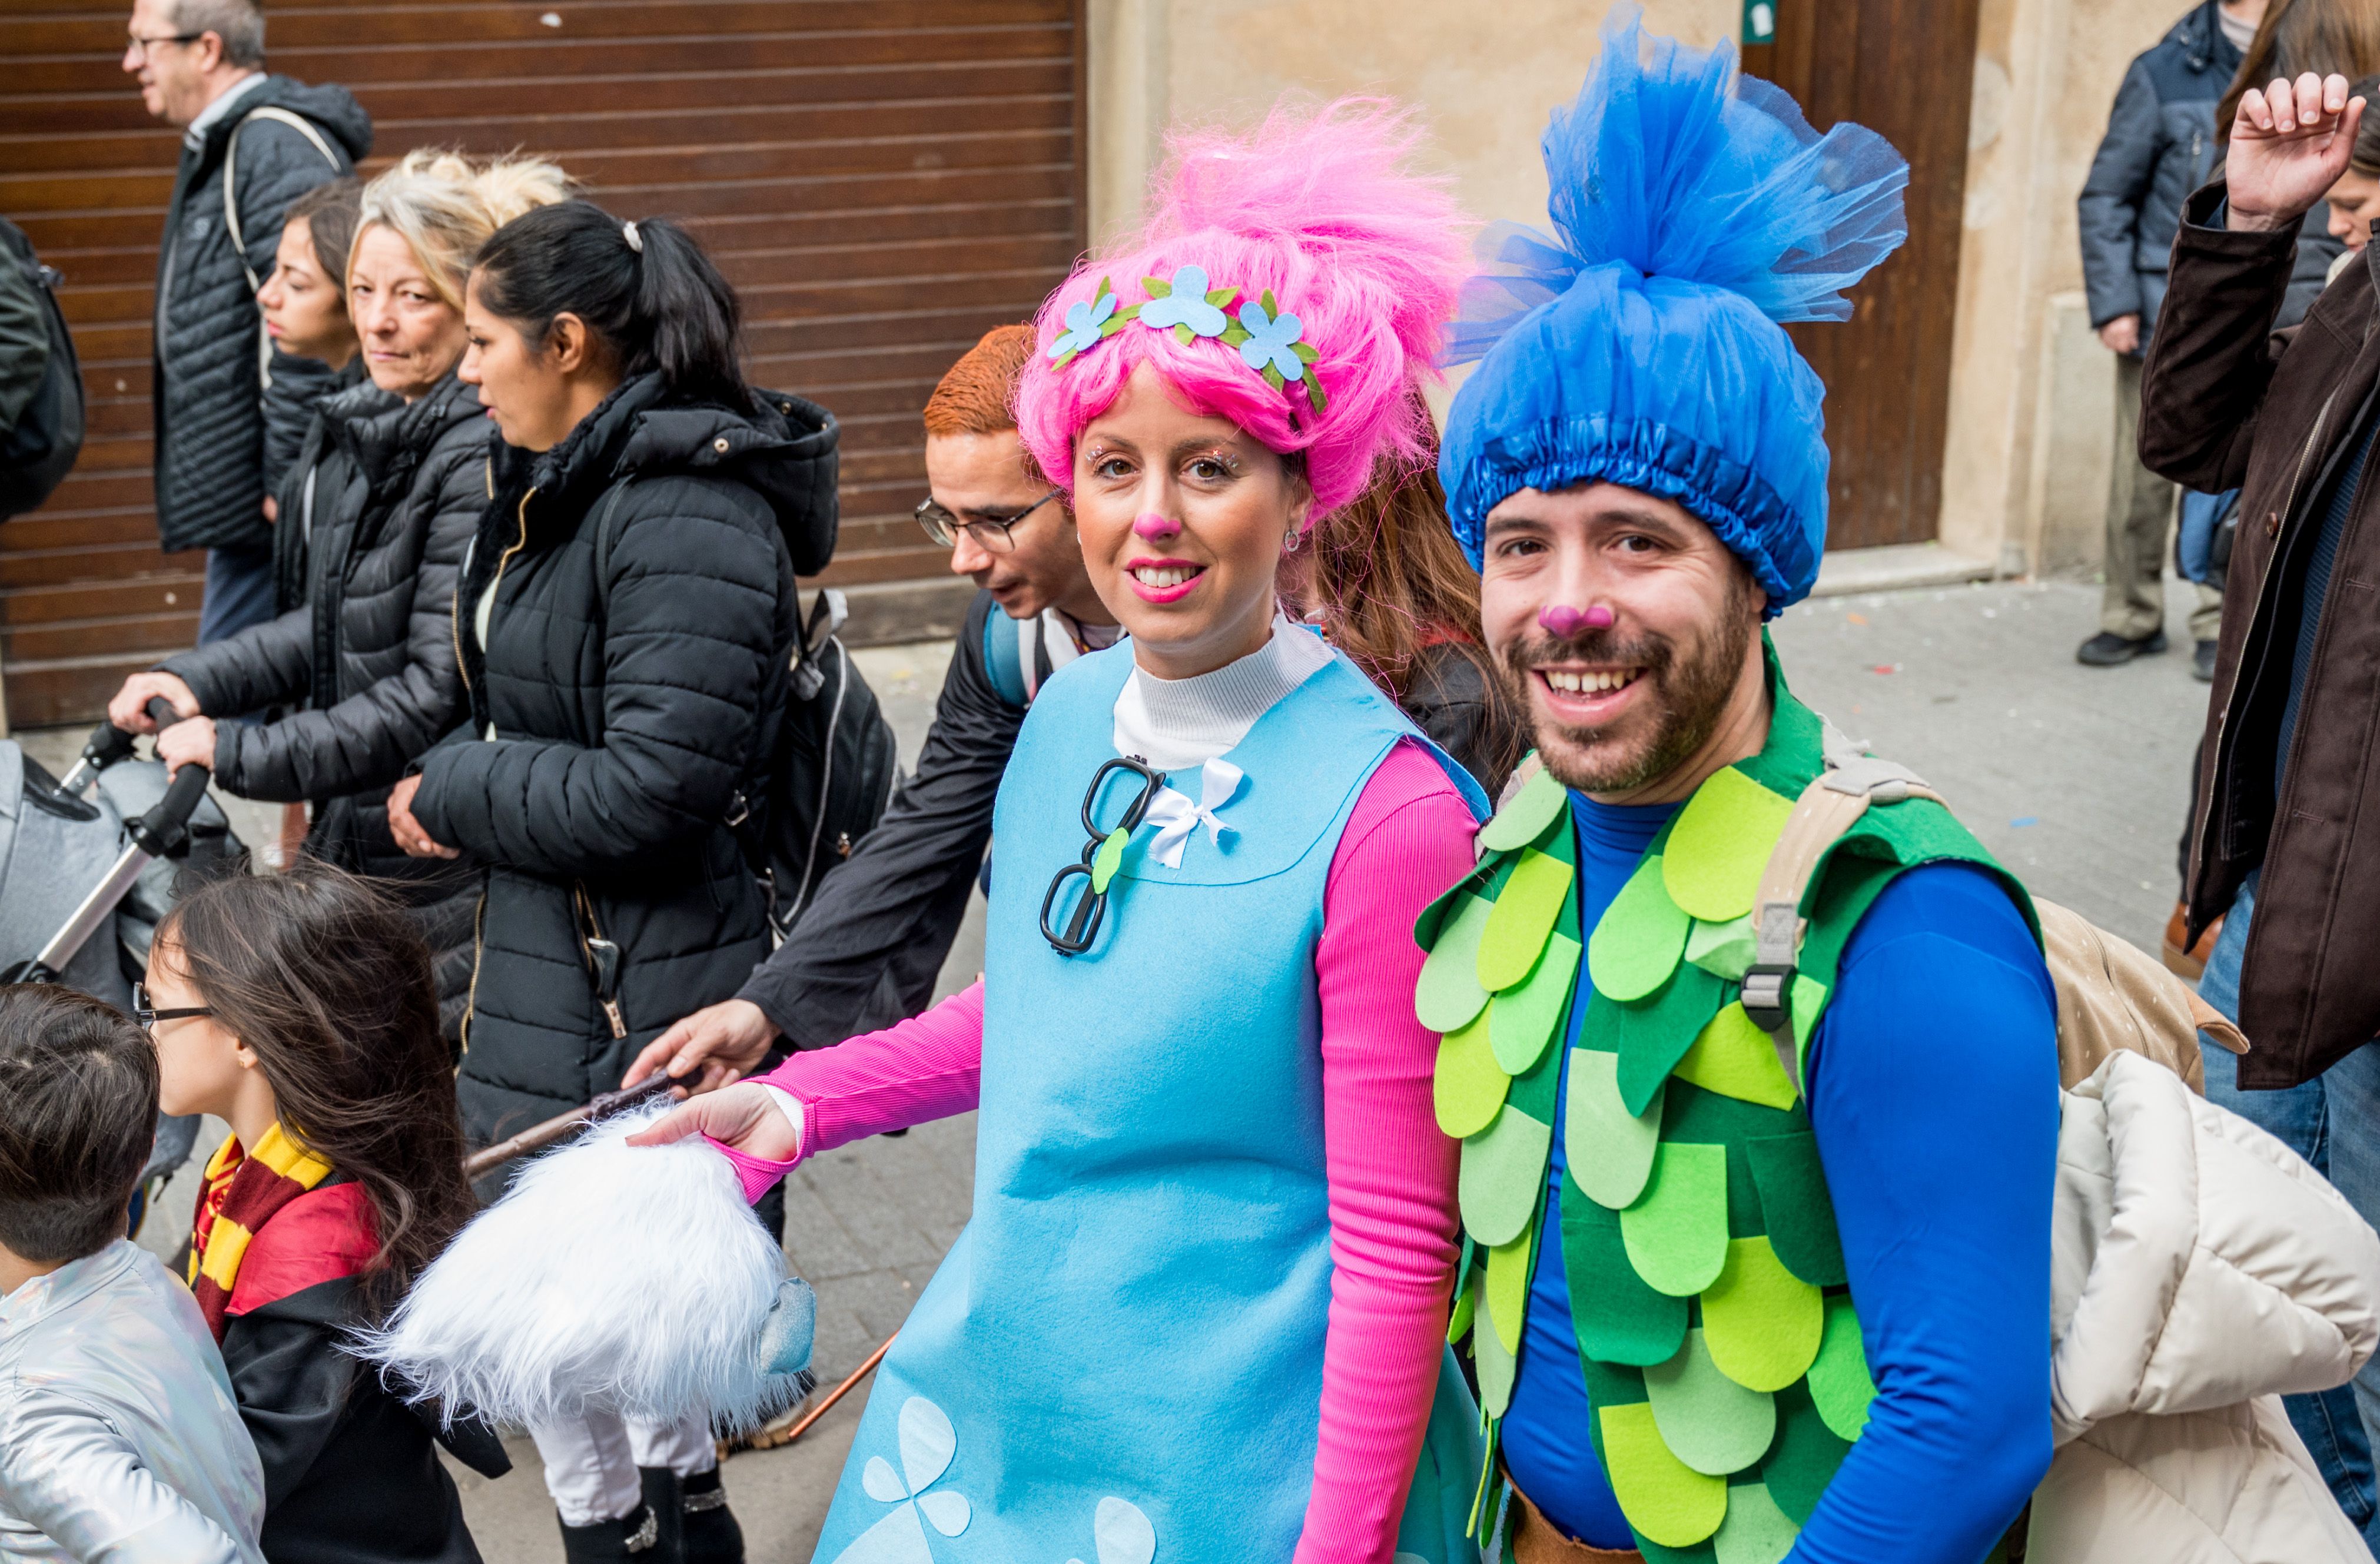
(2025, 470)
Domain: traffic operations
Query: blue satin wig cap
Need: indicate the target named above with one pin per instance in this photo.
(1642, 343)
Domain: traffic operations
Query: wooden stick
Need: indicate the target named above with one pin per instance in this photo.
(798, 1429)
(537, 1137)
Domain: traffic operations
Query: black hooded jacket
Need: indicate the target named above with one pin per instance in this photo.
(613, 725)
(210, 400)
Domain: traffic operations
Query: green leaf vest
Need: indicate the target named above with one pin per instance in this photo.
(1718, 1334)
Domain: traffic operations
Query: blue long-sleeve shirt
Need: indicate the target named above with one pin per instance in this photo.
(1933, 1096)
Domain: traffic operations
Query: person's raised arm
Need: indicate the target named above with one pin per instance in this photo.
(2290, 144)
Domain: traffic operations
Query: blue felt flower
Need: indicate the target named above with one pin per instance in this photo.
(1086, 324)
(1185, 306)
(1272, 342)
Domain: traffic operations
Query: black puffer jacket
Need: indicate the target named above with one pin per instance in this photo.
(613, 725)
(307, 491)
(209, 398)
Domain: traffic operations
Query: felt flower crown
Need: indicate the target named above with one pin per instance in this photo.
(1267, 338)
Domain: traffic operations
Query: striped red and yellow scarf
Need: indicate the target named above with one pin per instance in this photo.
(244, 1188)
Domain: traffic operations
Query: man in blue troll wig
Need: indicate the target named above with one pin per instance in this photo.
(1757, 1189)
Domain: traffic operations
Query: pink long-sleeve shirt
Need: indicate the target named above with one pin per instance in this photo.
(1391, 1172)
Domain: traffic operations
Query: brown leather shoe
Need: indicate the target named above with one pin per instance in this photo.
(2191, 963)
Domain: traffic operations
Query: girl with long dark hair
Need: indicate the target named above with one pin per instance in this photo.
(626, 616)
(300, 1009)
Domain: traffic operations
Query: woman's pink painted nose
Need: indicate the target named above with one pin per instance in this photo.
(1152, 526)
(1562, 621)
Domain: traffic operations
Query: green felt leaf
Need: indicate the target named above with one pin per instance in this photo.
(1756, 1530)
(1723, 950)
(1537, 1093)
(1508, 1287)
(1220, 297)
(1497, 1368)
(1157, 287)
(1270, 308)
(1608, 1149)
(1526, 815)
(1720, 843)
(1310, 355)
(1235, 334)
(1522, 917)
(1503, 1176)
(1794, 1204)
(1620, 1319)
(1803, 1460)
(1431, 921)
(1762, 1323)
(1469, 1086)
(1466, 1308)
(1707, 1420)
(1655, 1553)
(1122, 318)
(1840, 1385)
(1522, 1021)
(1448, 994)
(1107, 859)
(1653, 1034)
(1809, 1003)
(1313, 393)
(1735, 1057)
(1676, 1233)
(1272, 377)
(1663, 1497)
(1636, 944)
(1183, 334)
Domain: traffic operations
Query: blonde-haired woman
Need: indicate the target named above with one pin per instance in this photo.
(364, 667)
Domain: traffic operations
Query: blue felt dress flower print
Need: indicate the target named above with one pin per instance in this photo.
(1187, 305)
(1086, 325)
(927, 1443)
(1271, 344)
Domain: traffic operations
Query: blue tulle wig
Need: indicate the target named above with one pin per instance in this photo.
(1697, 210)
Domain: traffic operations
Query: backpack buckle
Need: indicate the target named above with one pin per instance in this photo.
(739, 809)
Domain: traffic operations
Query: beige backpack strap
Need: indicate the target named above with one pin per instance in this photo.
(231, 210)
(1830, 806)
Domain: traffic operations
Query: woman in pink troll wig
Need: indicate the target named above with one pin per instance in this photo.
(1200, 1310)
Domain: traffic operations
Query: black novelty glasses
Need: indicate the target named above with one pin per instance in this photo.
(1102, 856)
(147, 1015)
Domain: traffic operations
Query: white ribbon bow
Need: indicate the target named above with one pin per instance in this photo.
(1175, 817)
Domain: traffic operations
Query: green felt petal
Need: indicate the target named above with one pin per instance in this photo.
(1663, 1497)
(1458, 1321)
(1503, 1176)
(1638, 941)
(1619, 1320)
(1448, 993)
(1736, 1059)
(1840, 1386)
(1469, 1086)
(1655, 1553)
(1762, 1323)
(1707, 1420)
(1508, 1287)
(1723, 950)
(1651, 1037)
(1676, 1233)
(1497, 1369)
(1522, 1021)
(1720, 843)
(1756, 1530)
(1803, 1459)
(1523, 915)
(1795, 1206)
(1610, 1149)
(1809, 1003)
(1525, 818)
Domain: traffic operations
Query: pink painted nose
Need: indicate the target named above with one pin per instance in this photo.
(1152, 526)
(1564, 622)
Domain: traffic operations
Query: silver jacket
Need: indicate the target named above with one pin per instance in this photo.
(119, 1439)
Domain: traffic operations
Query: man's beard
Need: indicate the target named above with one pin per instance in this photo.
(1688, 688)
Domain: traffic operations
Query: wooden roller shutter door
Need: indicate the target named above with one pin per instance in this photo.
(883, 180)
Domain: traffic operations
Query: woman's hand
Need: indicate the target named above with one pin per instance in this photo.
(726, 1039)
(190, 742)
(406, 829)
(743, 1116)
(126, 710)
(2290, 144)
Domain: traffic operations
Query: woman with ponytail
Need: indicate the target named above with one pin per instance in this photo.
(625, 616)
(1200, 1311)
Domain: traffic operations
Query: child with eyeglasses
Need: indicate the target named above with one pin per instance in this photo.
(118, 1435)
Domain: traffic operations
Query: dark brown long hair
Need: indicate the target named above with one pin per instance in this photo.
(1390, 582)
(2297, 36)
(326, 981)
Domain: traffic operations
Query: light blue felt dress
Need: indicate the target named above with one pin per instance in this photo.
(1120, 1358)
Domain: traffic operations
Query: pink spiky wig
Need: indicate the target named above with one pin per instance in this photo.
(1318, 208)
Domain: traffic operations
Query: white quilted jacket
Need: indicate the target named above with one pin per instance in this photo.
(2201, 1270)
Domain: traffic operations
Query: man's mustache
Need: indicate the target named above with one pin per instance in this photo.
(1650, 652)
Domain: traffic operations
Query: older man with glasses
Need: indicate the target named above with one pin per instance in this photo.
(866, 951)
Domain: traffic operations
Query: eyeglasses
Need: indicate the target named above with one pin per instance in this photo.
(991, 532)
(138, 47)
(148, 1016)
(1102, 856)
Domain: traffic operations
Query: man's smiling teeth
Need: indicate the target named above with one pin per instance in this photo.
(1164, 575)
(1569, 682)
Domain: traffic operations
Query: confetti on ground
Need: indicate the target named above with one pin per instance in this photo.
(1856, 618)
(1886, 668)
(2023, 820)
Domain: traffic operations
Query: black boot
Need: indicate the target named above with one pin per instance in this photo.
(636, 1540)
(662, 1497)
(712, 1534)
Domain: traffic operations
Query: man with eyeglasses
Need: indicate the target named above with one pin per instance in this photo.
(866, 951)
(229, 409)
